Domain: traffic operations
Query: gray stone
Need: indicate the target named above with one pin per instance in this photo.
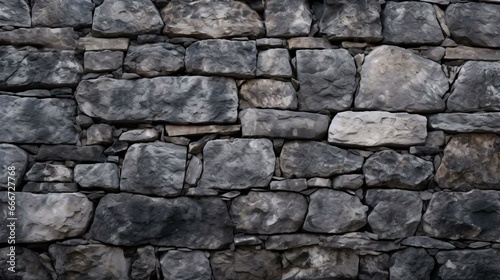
(334, 212)
(246, 264)
(152, 60)
(184, 99)
(36, 187)
(435, 139)
(222, 57)
(28, 264)
(359, 20)
(469, 264)
(178, 265)
(468, 53)
(241, 164)
(29, 93)
(103, 61)
(193, 171)
(127, 18)
(327, 80)
(427, 242)
(316, 263)
(167, 163)
(268, 212)
(44, 172)
(349, 181)
(70, 152)
(98, 44)
(15, 13)
(289, 241)
(287, 18)
(319, 183)
(462, 122)
(23, 68)
(411, 262)
(241, 240)
(377, 129)
(211, 19)
(263, 43)
(127, 220)
(411, 23)
(143, 265)
(62, 13)
(140, 135)
(294, 185)
(190, 130)
(316, 159)
(433, 53)
(101, 175)
(283, 124)
(391, 169)
(374, 267)
(274, 63)
(474, 24)
(47, 217)
(15, 158)
(266, 93)
(359, 241)
(99, 134)
(470, 215)
(395, 79)
(58, 38)
(298, 43)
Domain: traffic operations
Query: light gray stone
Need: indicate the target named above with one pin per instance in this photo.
(62, 13)
(348, 181)
(44, 172)
(469, 264)
(103, 61)
(140, 135)
(29, 93)
(245, 264)
(190, 130)
(295, 185)
(44, 187)
(193, 171)
(359, 241)
(319, 183)
(263, 43)
(57, 38)
(15, 13)
(98, 44)
(99, 134)
(298, 43)
(427, 242)
(15, 158)
(287, 18)
(462, 122)
(468, 53)
(274, 63)
(152, 60)
(101, 175)
(411, 262)
(266, 93)
(178, 265)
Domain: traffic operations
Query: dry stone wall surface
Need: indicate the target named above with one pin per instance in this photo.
(250, 140)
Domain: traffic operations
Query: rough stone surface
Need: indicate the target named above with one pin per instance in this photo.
(190, 130)
(289, 241)
(99, 134)
(274, 63)
(44, 172)
(427, 242)
(140, 135)
(359, 241)
(411, 261)
(287, 18)
(468, 53)
(246, 264)
(178, 265)
(152, 60)
(68, 152)
(144, 264)
(29, 265)
(15, 13)
(98, 44)
(316, 159)
(241, 164)
(267, 93)
(350, 181)
(12, 156)
(461, 122)
(101, 175)
(394, 79)
(44, 187)
(62, 13)
(327, 79)
(193, 171)
(57, 38)
(374, 267)
(308, 43)
(103, 61)
(295, 185)
(468, 264)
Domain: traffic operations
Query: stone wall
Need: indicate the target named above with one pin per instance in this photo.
(285, 139)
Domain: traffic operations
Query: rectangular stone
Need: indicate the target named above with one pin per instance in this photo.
(97, 44)
(182, 130)
(70, 152)
(61, 38)
(462, 122)
(470, 53)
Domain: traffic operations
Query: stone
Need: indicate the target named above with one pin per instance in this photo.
(315, 263)
(411, 23)
(13, 162)
(462, 122)
(268, 212)
(470, 161)
(468, 264)
(178, 265)
(274, 63)
(198, 223)
(359, 241)
(246, 264)
(193, 171)
(267, 93)
(70, 152)
(264, 43)
(140, 135)
(62, 13)
(374, 267)
(468, 53)
(181, 100)
(222, 57)
(283, 124)
(289, 241)
(208, 19)
(393, 170)
(241, 164)
(143, 265)
(101, 175)
(476, 88)
(92, 261)
(44, 187)
(99, 134)
(84, 121)
(287, 18)
(316, 159)
(190, 130)
(474, 24)
(427, 242)
(242, 240)
(165, 160)
(294, 185)
(102, 61)
(435, 139)
(57, 38)
(34, 69)
(28, 264)
(359, 20)
(327, 80)
(47, 217)
(371, 129)
(396, 213)
(44, 172)
(395, 79)
(411, 262)
(15, 13)
(472, 215)
(334, 212)
(319, 183)
(29, 93)
(126, 18)
(98, 44)
(348, 181)
(152, 60)
(433, 53)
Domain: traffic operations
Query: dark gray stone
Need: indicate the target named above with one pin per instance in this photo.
(101, 175)
(99, 134)
(29, 93)
(295, 185)
(28, 264)
(62, 13)
(193, 171)
(427, 242)
(287, 18)
(152, 60)
(15, 13)
(374, 267)
(103, 61)
(178, 265)
(12, 157)
(264, 43)
(70, 152)
(462, 122)
(274, 63)
(289, 241)
(144, 264)
(267, 93)
(44, 172)
(245, 264)
(349, 181)
(57, 38)
(44, 187)
(411, 263)
(359, 241)
(469, 264)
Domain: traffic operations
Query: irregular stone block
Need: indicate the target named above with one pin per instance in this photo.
(319, 183)
(411, 262)
(468, 53)
(99, 134)
(263, 43)
(37, 187)
(287, 18)
(15, 13)
(144, 264)
(103, 61)
(62, 13)
(327, 80)
(70, 152)
(178, 130)
(29, 264)
(360, 242)
(294, 185)
(349, 181)
(59, 38)
(101, 175)
(152, 60)
(468, 264)
(97, 44)
(179, 265)
(12, 156)
(377, 129)
(289, 241)
(298, 43)
(266, 93)
(396, 79)
(374, 267)
(274, 63)
(461, 122)
(184, 99)
(245, 263)
(427, 242)
(193, 171)
(44, 172)
(140, 135)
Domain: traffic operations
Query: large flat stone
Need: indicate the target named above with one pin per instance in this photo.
(44, 172)
(98, 44)
(289, 241)
(274, 63)
(359, 241)
(58, 38)
(183, 99)
(267, 93)
(468, 53)
(15, 13)
(12, 156)
(189, 130)
(468, 264)
(70, 152)
(462, 122)
(246, 264)
(100, 175)
(287, 18)
(152, 60)
(62, 13)
(411, 263)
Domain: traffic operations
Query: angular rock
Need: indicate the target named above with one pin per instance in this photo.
(462, 122)
(152, 60)
(344, 19)
(241, 164)
(266, 93)
(427, 242)
(316, 159)
(15, 158)
(128, 18)
(70, 152)
(144, 265)
(327, 80)
(411, 23)
(28, 264)
(289, 241)
(15, 13)
(37, 187)
(374, 267)
(208, 19)
(319, 183)
(58, 38)
(468, 264)
(308, 43)
(62, 13)
(283, 124)
(140, 135)
(99, 134)
(264, 43)
(184, 99)
(44, 172)
(377, 129)
(349, 181)
(189, 130)
(474, 24)
(178, 265)
(395, 79)
(334, 212)
(411, 262)
(287, 18)
(274, 63)
(101, 175)
(165, 160)
(127, 220)
(222, 57)
(193, 171)
(29, 93)
(103, 61)
(98, 44)
(468, 53)
(360, 242)
(393, 170)
(268, 212)
(47, 217)
(473, 215)
(294, 185)
(246, 264)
